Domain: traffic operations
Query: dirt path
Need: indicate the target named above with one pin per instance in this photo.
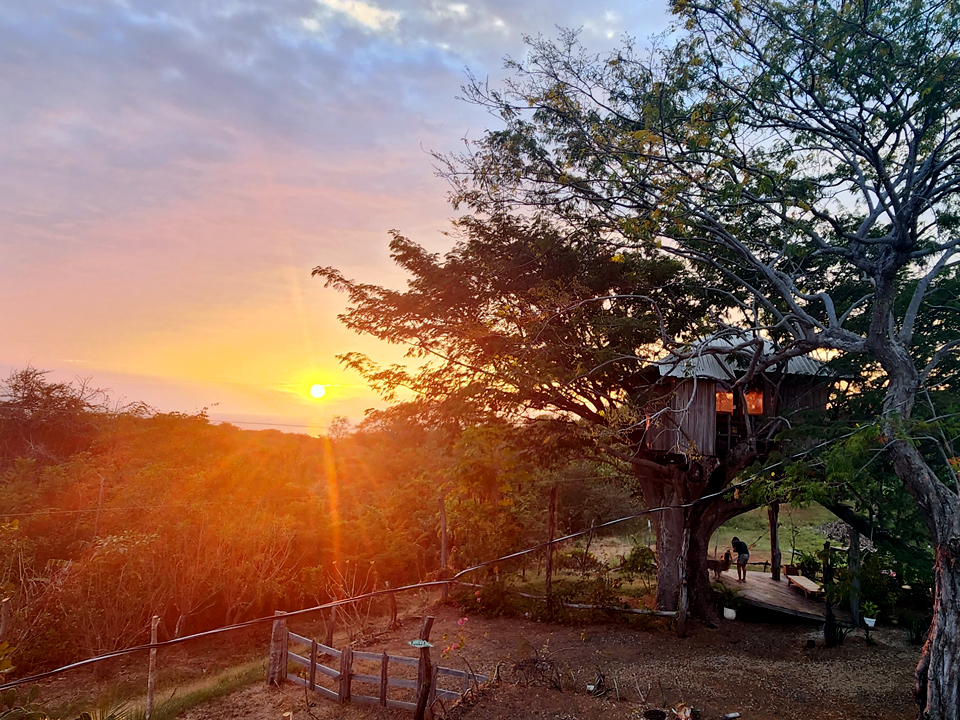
(763, 671)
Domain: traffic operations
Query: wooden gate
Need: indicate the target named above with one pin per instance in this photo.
(345, 676)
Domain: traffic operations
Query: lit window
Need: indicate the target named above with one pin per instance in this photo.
(725, 402)
(755, 402)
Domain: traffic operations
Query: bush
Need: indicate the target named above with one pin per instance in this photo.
(641, 560)
(579, 560)
(495, 599)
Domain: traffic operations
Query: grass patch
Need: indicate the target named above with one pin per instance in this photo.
(169, 703)
(198, 693)
(798, 529)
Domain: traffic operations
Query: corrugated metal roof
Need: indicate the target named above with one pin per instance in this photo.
(714, 358)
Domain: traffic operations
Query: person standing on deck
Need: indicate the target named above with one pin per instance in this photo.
(743, 557)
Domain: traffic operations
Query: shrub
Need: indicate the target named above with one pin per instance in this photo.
(641, 560)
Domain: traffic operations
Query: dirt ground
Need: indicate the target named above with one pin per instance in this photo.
(760, 669)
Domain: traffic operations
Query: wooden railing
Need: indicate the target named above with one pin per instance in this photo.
(426, 687)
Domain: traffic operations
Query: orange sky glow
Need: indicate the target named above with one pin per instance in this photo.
(170, 177)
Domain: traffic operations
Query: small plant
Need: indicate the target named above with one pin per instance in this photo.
(641, 560)
(17, 707)
(869, 609)
(726, 596)
(457, 642)
(808, 564)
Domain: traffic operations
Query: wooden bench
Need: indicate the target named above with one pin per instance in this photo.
(804, 583)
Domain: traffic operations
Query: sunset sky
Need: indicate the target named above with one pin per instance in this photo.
(171, 171)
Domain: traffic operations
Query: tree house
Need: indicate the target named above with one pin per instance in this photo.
(704, 409)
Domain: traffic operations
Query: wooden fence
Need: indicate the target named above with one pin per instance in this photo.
(426, 687)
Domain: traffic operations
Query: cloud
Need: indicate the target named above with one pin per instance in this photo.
(165, 164)
(368, 16)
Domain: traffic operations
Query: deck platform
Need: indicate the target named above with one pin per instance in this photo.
(760, 590)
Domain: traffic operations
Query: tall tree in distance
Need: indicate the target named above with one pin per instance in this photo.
(808, 154)
(46, 421)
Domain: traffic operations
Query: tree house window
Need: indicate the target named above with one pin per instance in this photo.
(755, 402)
(725, 402)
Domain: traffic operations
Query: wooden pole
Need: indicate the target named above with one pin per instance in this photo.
(434, 675)
(346, 674)
(445, 589)
(152, 667)
(277, 669)
(313, 664)
(4, 618)
(853, 565)
(586, 550)
(393, 609)
(424, 671)
(551, 532)
(684, 597)
(328, 640)
(384, 678)
(773, 512)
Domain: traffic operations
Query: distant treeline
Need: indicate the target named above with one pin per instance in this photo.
(112, 515)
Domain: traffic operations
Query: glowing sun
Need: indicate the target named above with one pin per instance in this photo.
(317, 391)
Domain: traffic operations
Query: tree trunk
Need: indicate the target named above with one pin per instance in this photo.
(937, 689)
(670, 526)
(938, 675)
(702, 519)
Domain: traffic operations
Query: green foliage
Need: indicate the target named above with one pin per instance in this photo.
(641, 560)
(13, 706)
(206, 525)
(869, 609)
(6, 652)
(809, 565)
(495, 599)
(726, 596)
(578, 559)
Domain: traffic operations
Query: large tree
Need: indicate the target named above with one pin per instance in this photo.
(808, 153)
(546, 324)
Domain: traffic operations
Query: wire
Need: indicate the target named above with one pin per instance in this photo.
(358, 598)
(378, 593)
(105, 509)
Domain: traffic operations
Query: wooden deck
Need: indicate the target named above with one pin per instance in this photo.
(760, 590)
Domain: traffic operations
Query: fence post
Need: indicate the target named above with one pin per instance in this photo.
(313, 664)
(551, 530)
(346, 674)
(384, 678)
(152, 667)
(393, 609)
(773, 513)
(328, 640)
(445, 588)
(435, 673)
(277, 669)
(4, 618)
(424, 671)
